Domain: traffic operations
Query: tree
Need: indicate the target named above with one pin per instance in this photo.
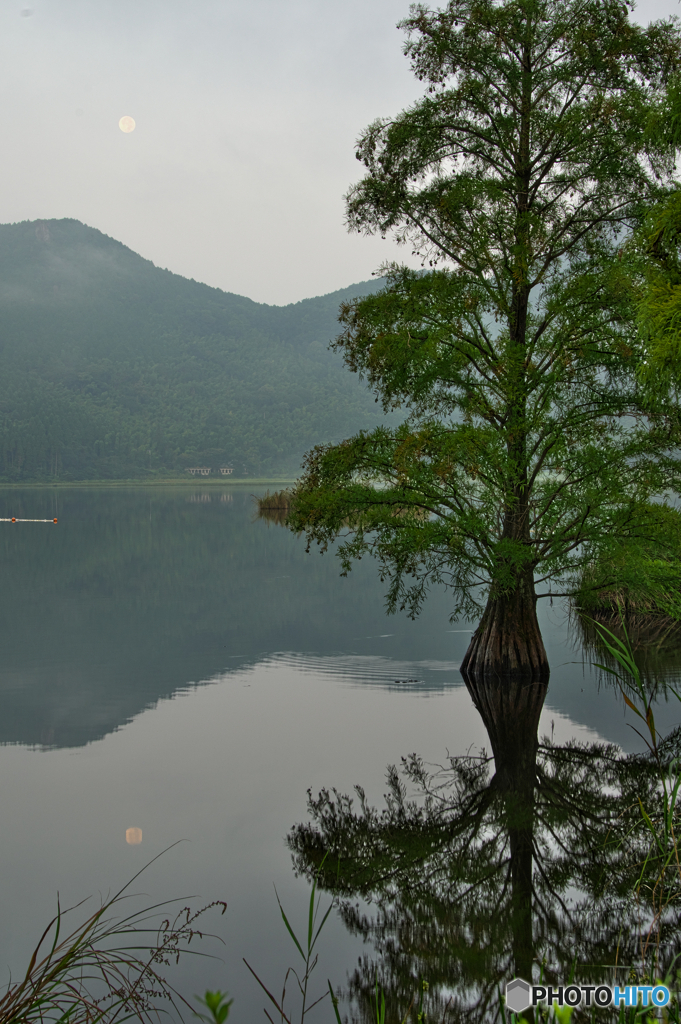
(517, 179)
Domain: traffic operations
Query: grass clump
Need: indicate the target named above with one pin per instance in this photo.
(274, 507)
(278, 501)
(106, 970)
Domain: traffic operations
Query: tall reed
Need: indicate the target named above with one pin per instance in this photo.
(280, 501)
(274, 508)
(660, 872)
(306, 949)
(107, 969)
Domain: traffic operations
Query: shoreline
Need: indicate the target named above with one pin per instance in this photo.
(171, 482)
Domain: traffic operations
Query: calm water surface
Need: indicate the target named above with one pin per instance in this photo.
(172, 665)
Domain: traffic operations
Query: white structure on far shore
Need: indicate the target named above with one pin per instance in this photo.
(206, 470)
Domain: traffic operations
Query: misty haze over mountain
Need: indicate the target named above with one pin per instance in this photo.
(112, 368)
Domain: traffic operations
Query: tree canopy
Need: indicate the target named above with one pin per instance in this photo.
(656, 251)
(517, 179)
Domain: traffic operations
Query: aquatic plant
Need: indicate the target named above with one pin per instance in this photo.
(108, 968)
(274, 507)
(655, 645)
(310, 958)
(279, 501)
(307, 952)
(659, 880)
(218, 1005)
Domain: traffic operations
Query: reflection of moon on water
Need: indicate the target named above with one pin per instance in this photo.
(127, 124)
(133, 836)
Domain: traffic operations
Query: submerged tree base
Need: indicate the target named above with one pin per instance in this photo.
(507, 645)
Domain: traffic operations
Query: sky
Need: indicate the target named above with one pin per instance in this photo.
(246, 112)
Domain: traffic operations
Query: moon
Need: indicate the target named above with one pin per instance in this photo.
(127, 124)
(133, 836)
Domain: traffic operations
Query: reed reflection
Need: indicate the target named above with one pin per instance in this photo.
(526, 861)
(655, 643)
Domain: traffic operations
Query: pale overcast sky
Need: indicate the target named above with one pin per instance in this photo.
(246, 113)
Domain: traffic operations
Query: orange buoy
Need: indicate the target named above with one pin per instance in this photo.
(54, 520)
(13, 519)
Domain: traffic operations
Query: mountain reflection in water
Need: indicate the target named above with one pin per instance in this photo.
(138, 594)
(533, 860)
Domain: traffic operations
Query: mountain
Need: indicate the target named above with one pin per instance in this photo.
(113, 368)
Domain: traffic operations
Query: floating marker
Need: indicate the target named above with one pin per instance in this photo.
(15, 520)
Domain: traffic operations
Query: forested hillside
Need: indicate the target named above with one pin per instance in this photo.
(111, 367)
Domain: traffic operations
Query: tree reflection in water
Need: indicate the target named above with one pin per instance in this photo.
(534, 859)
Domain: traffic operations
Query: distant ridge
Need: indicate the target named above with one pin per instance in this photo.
(112, 368)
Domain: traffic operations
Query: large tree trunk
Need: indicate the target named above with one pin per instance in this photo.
(507, 645)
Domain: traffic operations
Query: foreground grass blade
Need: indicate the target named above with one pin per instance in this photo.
(334, 1003)
(106, 970)
(268, 993)
(288, 926)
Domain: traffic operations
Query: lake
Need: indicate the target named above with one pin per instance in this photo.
(174, 665)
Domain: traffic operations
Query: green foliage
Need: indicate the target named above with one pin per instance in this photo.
(514, 353)
(657, 258)
(114, 368)
(659, 307)
(640, 576)
(218, 1004)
